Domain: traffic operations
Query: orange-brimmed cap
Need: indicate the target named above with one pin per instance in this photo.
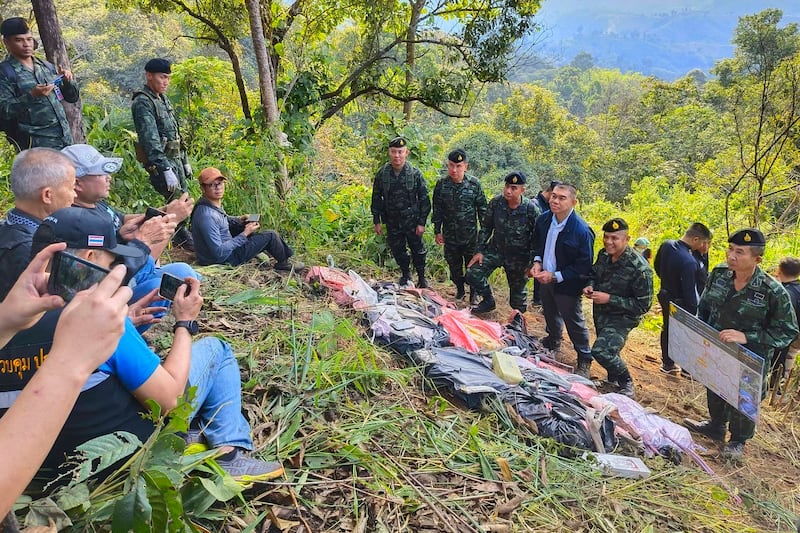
(210, 175)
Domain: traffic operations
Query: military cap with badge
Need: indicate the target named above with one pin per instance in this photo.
(516, 178)
(397, 142)
(458, 156)
(614, 225)
(748, 237)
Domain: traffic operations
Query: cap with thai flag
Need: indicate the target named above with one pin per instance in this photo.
(83, 228)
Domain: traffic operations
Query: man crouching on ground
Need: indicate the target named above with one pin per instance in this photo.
(222, 239)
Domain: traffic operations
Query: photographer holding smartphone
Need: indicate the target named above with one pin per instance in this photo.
(134, 374)
(27, 431)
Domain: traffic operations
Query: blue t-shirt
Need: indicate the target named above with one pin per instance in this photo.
(133, 362)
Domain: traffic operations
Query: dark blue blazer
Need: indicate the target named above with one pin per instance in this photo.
(574, 251)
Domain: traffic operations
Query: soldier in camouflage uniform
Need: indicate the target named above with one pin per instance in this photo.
(160, 148)
(622, 292)
(459, 204)
(400, 200)
(505, 239)
(750, 308)
(28, 95)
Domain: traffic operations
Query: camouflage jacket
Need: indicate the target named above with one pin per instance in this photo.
(508, 231)
(157, 128)
(629, 281)
(762, 310)
(458, 208)
(400, 199)
(41, 117)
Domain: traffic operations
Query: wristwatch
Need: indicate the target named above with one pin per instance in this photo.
(191, 326)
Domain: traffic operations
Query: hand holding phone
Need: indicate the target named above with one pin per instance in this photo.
(153, 212)
(70, 274)
(58, 81)
(169, 286)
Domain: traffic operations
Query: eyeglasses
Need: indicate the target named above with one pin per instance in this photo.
(215, 185)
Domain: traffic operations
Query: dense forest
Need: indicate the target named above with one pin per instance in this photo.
(299, 118)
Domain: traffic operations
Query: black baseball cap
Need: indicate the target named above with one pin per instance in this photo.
(83, 229)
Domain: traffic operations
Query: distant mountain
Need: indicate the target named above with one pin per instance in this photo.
(666, 39)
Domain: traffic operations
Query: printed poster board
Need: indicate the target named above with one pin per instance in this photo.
(730, 370)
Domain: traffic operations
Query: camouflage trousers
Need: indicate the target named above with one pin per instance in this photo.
(722, 413)
(612, 332)
(397, 237)
(457, 256)
(515, 268)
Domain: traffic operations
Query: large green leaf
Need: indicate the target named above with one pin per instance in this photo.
(101, 452)
(133, 512)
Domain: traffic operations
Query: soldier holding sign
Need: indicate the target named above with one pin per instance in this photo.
(750, 308)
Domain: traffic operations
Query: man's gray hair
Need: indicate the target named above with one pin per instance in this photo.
(37, 168)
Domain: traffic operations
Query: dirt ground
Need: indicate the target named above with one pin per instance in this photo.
(772, 458)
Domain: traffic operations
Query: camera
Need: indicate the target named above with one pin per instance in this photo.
(70, 274)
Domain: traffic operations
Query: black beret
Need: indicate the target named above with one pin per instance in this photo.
(158, 65)
(615, 224)
(748, 237)
(14, 26)
(516, 178)
(397, 142)
(458, 156)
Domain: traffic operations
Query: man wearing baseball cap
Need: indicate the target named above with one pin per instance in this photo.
(134, 374)
(92, 187)
(223, 239)
(748, 307)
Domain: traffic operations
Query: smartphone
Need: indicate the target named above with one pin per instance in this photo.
(58, 81)
(70, 274)
(253, 218)
(153, 212)
(169, 286)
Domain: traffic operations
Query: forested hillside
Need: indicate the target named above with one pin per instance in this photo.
(720, 146)
(662, 39)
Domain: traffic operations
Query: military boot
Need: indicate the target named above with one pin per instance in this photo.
(460, 292)
(625, 383)
(584, 365)
(473, 297)
(486, 305)
(405, 278)
(419, 266)
(422, 283)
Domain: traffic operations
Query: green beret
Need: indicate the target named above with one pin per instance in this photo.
(397, 142)
(458, 156)
(516, 178)
(158, 65)
(14, 26)
(748, 237)
(615, 224)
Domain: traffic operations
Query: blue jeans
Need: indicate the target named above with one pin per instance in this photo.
(149, 278)
(217, 405)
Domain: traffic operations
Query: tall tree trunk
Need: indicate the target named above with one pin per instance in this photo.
(226, 45)
(269, 98)
(56, 51)
(411, 52)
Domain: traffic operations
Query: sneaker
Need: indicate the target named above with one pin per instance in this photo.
(734, 452)
(706, 427)
(246, 469)
(195, 442)
(673, 370)
(485, 306)
(289, 265)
